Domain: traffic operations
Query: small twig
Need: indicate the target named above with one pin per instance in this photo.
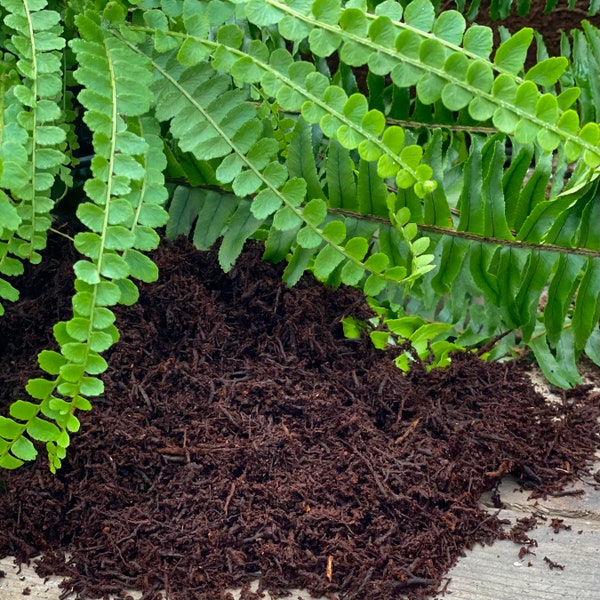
(58, 232)
(228, 499)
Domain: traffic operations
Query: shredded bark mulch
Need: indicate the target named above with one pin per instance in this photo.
(240, 435)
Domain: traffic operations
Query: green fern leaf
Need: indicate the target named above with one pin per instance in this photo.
(586, 313)
(301, 160)
(560, 294)
(341, 185)
(241, 226)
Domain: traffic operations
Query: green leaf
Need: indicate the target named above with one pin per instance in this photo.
(478, 39)
(89, 244)
(24, 411)
(100, 341)
(51, 361)
(75, 351)
(340, 177)
(511, 54)
(301, 159)
(315, 212)
(214, 214)
(450, 26)
(42, 430)
(128, 292)
(552, 369)
(246, 183)
(91, 216)
(107, 294)
(307, 238)
(357, 247)
(9, 217)
(374, 285)
(39, 388)
(91, 386)
(587, 304)
(495, 223)
(78, 328)
(420, 14)
(327, 11)
(86, 271)
(547, 72)
(8, 291)
(560, 294)
(241, 226)
(9, 429)
(377, 262)
(352, 273)
(95, 364)
(380, 339)
(371, 191)
(113, 266)
(471, 207)
(72, 373)
(326, 261)
(141, 267)
(335, 232)
(192, 51)
(286, 219)
(22, 448)
(323, 42)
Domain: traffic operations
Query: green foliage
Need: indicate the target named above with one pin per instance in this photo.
(456, 188)
(501, 9)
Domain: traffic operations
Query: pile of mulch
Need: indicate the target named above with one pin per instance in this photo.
(241, 435)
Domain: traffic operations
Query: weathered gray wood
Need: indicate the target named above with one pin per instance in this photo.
(497, 573)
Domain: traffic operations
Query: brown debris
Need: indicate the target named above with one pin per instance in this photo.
(559, 525)
(240, 434)
(553, 565)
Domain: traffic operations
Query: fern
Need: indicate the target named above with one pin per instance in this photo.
(500, 9)
(33, 135)
(126, 193)
(456, 185)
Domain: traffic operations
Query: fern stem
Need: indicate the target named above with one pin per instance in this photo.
(59, 232)
(477, 237)
(34, 90)
(417, 124)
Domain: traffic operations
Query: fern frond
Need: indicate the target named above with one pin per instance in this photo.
(500, 9)
(582, 48)
(212, 121)
(296, 85)
(516, 248)
(32, 135)
(126, 195)
(442, 63)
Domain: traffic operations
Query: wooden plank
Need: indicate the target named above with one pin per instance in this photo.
(19, 583)
(497, 573)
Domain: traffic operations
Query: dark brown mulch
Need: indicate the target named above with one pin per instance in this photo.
(550, 25)
(240, 433)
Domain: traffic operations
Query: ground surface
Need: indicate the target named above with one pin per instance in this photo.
(240, 433)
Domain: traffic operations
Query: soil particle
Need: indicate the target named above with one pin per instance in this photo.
(241, 435)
